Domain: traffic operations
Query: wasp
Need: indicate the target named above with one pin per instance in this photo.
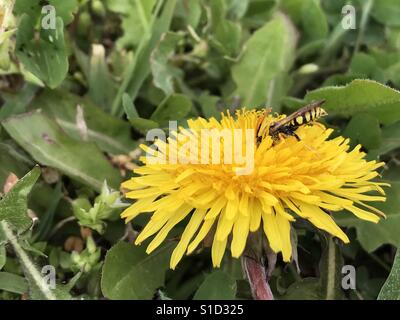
(291, 123)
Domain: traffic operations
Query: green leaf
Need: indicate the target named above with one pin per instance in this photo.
(29, 7)
(44, 140)
(385, 59)
(387, 12)
(388, 65)
(102, 88)
(12, 283)
(129, 273)
(365, 65)
(237, 8)
(305, 289)
(258, 12)
(109, 133)
(48, 218)
(174, 107)
(129, 107)
(394, 38)
(217, 286)
(311, 48)
(269, 54)
(391, 288)
(63, 8)
(362, 63)
(390, 139)
(364, 129)
(360, 96)
(45, 57)
(293, 8)
(136, 19)
(227, 38)
(140, 124)
(340, 80)
(13, 207)
(5, 46)
(310, 19)
(17, 103)
(163, 72)
(10, 163)
(368, 285)
(189, 12)
(314, 22)
(216, 11)
(3, 256)
(392, 74)
(208, 104)
(143, 125)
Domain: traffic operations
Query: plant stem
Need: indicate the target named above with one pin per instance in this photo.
(26, 262)
(364, 19)
(331, 274)
(257, 277)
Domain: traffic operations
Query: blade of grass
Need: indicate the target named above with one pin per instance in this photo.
(367, 6)
(139, 68)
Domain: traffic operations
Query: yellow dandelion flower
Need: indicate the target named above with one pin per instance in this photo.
(288, 179)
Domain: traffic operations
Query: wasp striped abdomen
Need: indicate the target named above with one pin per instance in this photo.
(308, 116)
(305, 115)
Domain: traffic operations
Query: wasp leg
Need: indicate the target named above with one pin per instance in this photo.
(296, 136)
(276, 137)
(290, 132)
